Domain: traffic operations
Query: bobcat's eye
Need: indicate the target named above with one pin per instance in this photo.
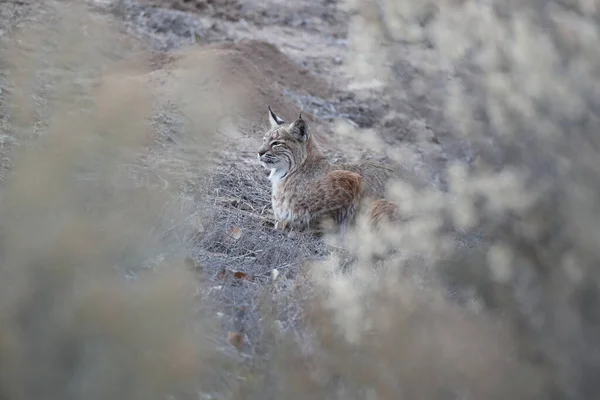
(276, 143)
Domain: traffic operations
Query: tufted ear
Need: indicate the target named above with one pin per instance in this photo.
(299, 129)
(274, 120)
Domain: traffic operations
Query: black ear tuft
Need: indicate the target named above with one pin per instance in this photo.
(300, 117)
(299, 129)
(274, 120)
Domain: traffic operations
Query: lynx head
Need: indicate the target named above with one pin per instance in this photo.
(284, 146)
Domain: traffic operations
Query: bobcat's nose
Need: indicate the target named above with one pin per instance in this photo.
(261, 153)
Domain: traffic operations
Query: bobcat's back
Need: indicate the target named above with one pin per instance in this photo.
(375, 176)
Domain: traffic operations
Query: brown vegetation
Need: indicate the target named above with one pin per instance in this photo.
(139, 258)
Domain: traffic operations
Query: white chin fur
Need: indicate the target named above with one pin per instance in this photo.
(276, 174)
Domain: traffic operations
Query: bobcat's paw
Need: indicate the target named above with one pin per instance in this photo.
(282, 225)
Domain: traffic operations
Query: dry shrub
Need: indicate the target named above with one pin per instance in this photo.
(515, 315)
(95, 299)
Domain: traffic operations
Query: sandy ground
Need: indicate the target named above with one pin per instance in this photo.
(299, 53)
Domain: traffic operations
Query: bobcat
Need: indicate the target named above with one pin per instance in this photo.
(307, 189)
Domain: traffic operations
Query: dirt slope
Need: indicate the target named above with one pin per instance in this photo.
(245, 77)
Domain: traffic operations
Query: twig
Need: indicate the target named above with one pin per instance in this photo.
(261, 218)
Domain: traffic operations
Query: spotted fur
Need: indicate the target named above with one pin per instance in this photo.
(307, 189)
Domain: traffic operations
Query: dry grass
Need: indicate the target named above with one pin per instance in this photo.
(113, 187)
